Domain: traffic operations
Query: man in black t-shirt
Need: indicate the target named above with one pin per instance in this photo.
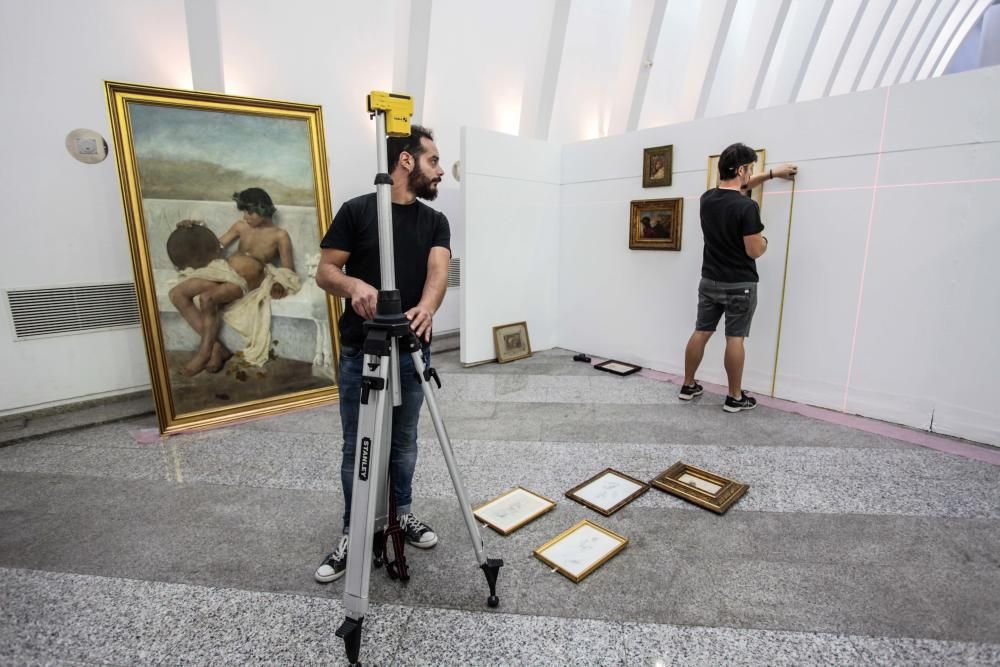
(350, 267)
(730, 221)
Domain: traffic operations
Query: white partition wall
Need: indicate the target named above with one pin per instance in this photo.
(512, 235)
(889, 309)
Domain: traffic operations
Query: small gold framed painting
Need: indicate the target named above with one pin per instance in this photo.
(608, 491)
(657, 166)
(513, 509)
(511, 342)
(580, 550)
(700, 487)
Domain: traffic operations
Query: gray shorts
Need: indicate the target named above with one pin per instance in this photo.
(736, 300)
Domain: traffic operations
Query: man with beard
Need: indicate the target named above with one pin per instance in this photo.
(421, 244)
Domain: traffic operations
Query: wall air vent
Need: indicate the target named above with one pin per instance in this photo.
(454, 272)
(60, 311)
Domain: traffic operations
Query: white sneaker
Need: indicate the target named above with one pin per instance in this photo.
(418, 533)
(334, 565)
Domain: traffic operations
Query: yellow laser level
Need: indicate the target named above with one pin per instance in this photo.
(397, 108)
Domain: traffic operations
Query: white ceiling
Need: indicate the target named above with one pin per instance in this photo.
(570, 70)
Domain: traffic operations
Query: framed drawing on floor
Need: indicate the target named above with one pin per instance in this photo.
(757, 194)
(701, 487)
(608, 491)
(511, 342)
(226, 199)
(656, 224)
(577, 552)
(513, 509)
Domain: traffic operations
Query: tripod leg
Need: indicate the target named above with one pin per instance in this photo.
(350, 632)
(490, 566)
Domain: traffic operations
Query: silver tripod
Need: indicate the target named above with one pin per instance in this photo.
(386, 337)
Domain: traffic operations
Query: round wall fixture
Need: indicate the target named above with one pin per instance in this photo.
(87, 146)
(456, 170)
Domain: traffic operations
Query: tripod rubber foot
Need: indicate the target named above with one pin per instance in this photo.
(491, 568)
(350, 632)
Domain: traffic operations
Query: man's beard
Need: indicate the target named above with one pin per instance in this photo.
(421, 185)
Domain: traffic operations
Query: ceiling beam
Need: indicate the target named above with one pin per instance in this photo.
(871, 46)
(765, 61)
(913, 46)
(409, 71)
(713, 64)
(963, 22)
(205, 45)
(641, 37)
(810, 50)
(896, 43)
(844, 47)
(539, 95)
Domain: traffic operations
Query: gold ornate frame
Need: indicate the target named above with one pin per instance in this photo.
(718, 500)
(640, 206)
(667, 152)
(622, 543)
(120, 96)
(502, 352)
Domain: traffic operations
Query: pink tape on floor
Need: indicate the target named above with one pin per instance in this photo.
(983, 453)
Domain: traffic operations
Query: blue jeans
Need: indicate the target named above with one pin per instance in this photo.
(403, 456)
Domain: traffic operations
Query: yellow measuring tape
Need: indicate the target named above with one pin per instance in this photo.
(784, 282)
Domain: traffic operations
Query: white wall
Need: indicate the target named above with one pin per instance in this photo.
(511, 191)
(63, 219)
(927, 312)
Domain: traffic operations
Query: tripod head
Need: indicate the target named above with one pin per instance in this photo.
(397, 109)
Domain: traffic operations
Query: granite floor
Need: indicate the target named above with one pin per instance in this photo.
(849, 548)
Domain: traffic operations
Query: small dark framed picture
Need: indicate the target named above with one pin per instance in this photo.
(701, 487)
(608, 491)
(617, 367)
(656, 224)
(510, 341)
(657, 166)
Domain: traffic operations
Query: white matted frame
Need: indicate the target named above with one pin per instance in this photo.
(580, 550)
(513, 509)
(608, 491)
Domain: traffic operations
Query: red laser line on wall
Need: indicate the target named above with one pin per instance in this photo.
(868, 238)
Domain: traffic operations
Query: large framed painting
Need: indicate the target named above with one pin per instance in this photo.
(226, 199)
(656, 224)
(757, 194)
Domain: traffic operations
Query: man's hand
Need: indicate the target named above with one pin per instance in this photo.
(278, 291)
(786, 171)
(364, 298)
(421, 320)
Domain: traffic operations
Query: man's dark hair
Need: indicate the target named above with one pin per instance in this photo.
(733, 158)
(255, 200)
(410, 144)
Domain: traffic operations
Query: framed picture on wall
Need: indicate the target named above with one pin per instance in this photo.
(226, 199)
(656, 224)
(511, 342)
(757, 194)
(657, 166)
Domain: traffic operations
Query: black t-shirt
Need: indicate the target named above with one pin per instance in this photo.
(416, 228)
(726, 217)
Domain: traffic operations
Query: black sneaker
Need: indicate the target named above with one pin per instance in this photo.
(334, 565)
(418, 533)
(689, 391)
(745, 403)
